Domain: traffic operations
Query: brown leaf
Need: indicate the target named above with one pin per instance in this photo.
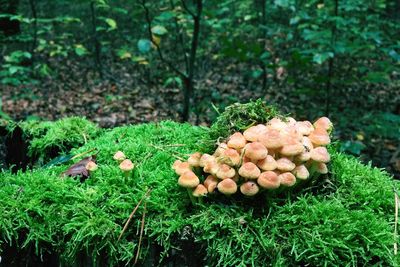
(79, 168)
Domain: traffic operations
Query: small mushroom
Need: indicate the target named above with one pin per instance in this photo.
(230, 156)
(320, 154)
(237, 141)
(211, 167)
(321, 168)
(91, 167)
(204, 159)
(301, 172)
(323, 123)
(225, 171)
(199, 192)
(253, 133)
(119, 156)
(180, 167)
(272, 139)
(269, 180)
(287, 179)
(320, 137)
(227, 187)
(267, 164)
(285, 165)
(189, 180)
(126, 167)
(194, 159)
(255, 151)
(249, 171)
(249, 188)
(293, 149)
(211, 183)
(304, 127)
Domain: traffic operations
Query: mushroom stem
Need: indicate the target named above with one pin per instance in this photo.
(190, 193)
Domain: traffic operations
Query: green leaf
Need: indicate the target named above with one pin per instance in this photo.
(322, 57)
(393, 54)
(80, 50)
(144, 45)
(159, 30)
(112, 23)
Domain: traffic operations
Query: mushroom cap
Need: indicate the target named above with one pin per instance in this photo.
(119, 156)
(255, 151)
(249, 170)
(253, 133)
(246, 159)
(249, 188)
(205, 158)
(211, 183)
(126, 165)
(91, 166)
(225, 171)
(211, 167)
(290, 121)
(285, 165)
(267, 164)
(296, 148)
(307, 143)
(180, 167)
(269, 180)
(200, 191)
(304, 127)
(301, 172)
(323, 123)
(320, 137)
(305, 156)
(227, 187)
(188, 180)
(220, 149)
(321, 168)
(276, 124)
(194, 159)
(237, 141)
(287, 179)
(230, 156)
(320, 154)
(271, 139)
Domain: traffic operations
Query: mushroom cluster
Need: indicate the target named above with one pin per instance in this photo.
(268, 156)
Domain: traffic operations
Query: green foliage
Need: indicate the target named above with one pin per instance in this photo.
(345, 219)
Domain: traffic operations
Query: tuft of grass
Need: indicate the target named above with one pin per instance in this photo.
(239, 117)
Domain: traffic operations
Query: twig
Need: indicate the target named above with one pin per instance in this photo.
(133, 213)
(82, 154)
(141, 233)
(162, 149)
(396, 218)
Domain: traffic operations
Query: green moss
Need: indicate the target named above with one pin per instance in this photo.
(239, 117)
(345, 219)
(47, 139)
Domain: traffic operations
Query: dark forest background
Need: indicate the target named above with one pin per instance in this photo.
(132, 61)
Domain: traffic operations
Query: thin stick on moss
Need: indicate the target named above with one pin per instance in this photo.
(396, 218)
(83, 153)
(141, 233)
(172, 154)
(133, 213)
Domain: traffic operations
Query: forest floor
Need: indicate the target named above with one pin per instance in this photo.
(131, 94)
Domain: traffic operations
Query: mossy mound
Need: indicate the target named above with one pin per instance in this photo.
(346, 218)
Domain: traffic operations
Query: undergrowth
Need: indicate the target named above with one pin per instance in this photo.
(350, 224)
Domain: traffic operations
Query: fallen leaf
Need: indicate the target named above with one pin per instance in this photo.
(79, 168)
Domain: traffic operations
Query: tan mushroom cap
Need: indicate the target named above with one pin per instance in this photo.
(290, 121)
(230, 156)
(293, 149)
(91, 166)
(301, 172)
(285, 165)
(220, 149)
(188, 180)
(320, 154)
(227, 187)
(272, 139)
(253, 133)
(180, 167)
(249, 170)
(321, 168)
(255, 151)
(119, 156)
(287, 179)
(126, 165)
(237, 141)
(200, 191)
(307, 143)
(205, 158)
(276, 124)
(267, 164)
(211, 183)
(303, 157)
(249, 188)
(225, 171)
(269, 180)
(211, 167)
(320, 137)
(323, 123)
(194, 159)
(304, 127)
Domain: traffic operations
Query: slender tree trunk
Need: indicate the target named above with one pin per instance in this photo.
(331, 64)
(95, 38)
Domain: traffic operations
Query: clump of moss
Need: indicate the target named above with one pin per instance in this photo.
(48, 139)
(345, 219)
(239, 117)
